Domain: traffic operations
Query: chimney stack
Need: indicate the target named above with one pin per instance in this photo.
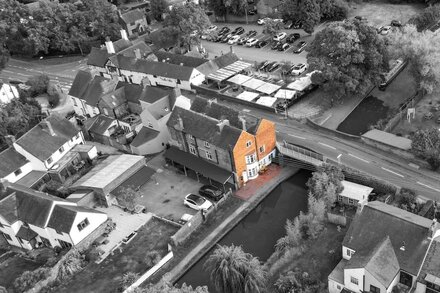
(180, 121)
(243, 122)
(47, 126)
(222, 123)
(3, 185)
(10, 139)
(109, 45)
(124, 35)
(137, 53)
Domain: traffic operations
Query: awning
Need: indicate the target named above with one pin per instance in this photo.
(238, 66)
(432, 279)
(197, 164)
(26, 233)
(221, 74)
(239, 79)
(300, 84)
(266, 101)
(268, 88)
(247, 96)
(253, 83)
(285, 94)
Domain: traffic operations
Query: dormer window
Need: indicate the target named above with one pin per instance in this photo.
(49, 161)
(61, 150)
(207, 144)
(83, 224)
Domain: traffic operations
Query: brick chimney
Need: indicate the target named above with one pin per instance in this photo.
(109, 46)
(124, 35)
(243, 122)
(10, 139)
(47, 127)
(179, 125)
(222, 123)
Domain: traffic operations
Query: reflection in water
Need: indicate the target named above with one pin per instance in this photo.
(258, 232)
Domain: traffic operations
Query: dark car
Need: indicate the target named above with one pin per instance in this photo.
(284, 47)
(261, 44)
(252, 11)
(301, 46)
(274, 66)
(238, 31)
(251, 34)
(224, 30)
(276, 45)
(396, 23)
(264, 65)
(360, 18)
(225, 38)
(297, 24)
(242, 40)
(211, 192)
(217, 38)
(288, 24)
(293, 37)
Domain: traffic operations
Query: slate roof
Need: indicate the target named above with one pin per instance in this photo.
(132, 92)
(145, 135)
(8, 208)
(101, 124)
(98, 87)
(226, 59)
(152, 94)
(120, 45)
(80, 83)
(31, 178)
(97, 57)
(144, 49)
(132, 16)
(40, 143)
(381, 262)
(204, 128)
(10, 161)
(220, 112)
(432, 262)
(114, 99)
(368, 229)
(26, 233)
(63, 217)
(179, 59)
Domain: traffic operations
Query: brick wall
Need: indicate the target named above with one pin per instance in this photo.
(240, 152)
(265, 136)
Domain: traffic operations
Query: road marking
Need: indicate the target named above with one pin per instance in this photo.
(420, 183)
(363, 160)
(325, 120)
(8, 71)
(18, 73)
(246, 110)
(300, 137)
(388, 170)
(326, 145)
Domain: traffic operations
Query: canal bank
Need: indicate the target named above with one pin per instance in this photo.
(259, 189)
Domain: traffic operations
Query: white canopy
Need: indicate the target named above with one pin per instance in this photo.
(253, 83)
(266, 101)
(285, 94)
(239, 79)
(221, 75)
(238, 66)
(268, 88)
(247, 96)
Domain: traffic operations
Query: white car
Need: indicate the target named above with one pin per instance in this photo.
(298, 69)
(211, 28)
(197, 202)
(262, 21)
(233, 40)
(385, 30)
(279, 36)
(251, 42)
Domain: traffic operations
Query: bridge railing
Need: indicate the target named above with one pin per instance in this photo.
(300, 153)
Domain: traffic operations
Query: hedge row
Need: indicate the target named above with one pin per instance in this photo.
(379, 185)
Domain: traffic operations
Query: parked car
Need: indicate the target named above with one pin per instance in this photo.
(280, 36)
(275, 45)
(298, 69)
(251, 34)
(297, 24)
(262, 44)
(226, 38)
(360, 18)
(278, 20)
(238, 31)
(288, 24)
(385, 30)
(252, 11)
(251, 42)
(438, 120)
(224, 30)
(396, 23)
(211, 28)
(274, 66)
(197, 202)
(262, 21)
(293, 37)
(233, 40)
(242, 40)
(217, 38)
(211, 192)
(301, 46)
(284, 47)
(264, 65)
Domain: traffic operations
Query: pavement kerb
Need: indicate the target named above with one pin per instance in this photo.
(203, 247)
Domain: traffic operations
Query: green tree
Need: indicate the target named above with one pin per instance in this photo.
(39, 84)
(272, 27)
(29, 278)
(236, 7)
(310, 15)
(234, 271)
(218, 6)
(165, 287)
(333, 9)
(71, 264)
(128, 279)
(350, 55)
(185, 19)
(426, 144)
(422, 50)
(325, 184)
(127, 197)
(429, 16)
(158, 8)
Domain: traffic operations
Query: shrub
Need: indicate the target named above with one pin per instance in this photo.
(72, 263)
(379, 185)
(93, 254)
(406, 197)
(152, 258)
(54, 100)
(128, 279)
(28, 279)
(38, 84)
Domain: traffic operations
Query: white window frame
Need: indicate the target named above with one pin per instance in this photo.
(354, 280)
(207, 144)
(262, 149)
(248, 143)
(351, 201)
(340, 198)
(192, 149)
(250, 159)
(209, 155)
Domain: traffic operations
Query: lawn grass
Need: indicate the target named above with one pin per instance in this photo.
(13, 266)
(54, 60)
(106, 276)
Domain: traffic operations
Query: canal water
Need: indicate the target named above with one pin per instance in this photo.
(258, 232)
(367, 113)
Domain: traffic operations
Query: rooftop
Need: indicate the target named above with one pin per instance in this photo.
(389, 138)
(145, 135)
(431, 266)
(152, 94)
(63, 216)
(10, 161)
(179, 59)
(132, 16)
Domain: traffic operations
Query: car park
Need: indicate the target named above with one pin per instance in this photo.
(261, 44)
(233, 40)
(251, 34)
(293, 37)
(197, 202)
(280, 36)
(274, 66)
(298, 69)
(278, 20)
(301, 46)
(211, 28)
(242, 40)
(288, 24)
(211, 192)
(385, 30)
(284, 47)
(396, 23)
(251, 42)
(226, 38)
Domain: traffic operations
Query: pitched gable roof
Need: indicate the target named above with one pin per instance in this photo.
(431, 265)
(101, 124)
(41, 143)
(179, 59)
(63, 217)
(97, 57)
(8, 208)
(132, 16)
(26, 233)
(98, 87)
(381, 262)
(132, 91)
(226, 59)
(80, 83)
(152, 94)
(368, 229)
(10, 161)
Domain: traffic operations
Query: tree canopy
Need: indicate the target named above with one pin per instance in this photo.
(350, 55)
(422, 50)
(426, 144)
(325, 184)
(158, 8)
(165, 287)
